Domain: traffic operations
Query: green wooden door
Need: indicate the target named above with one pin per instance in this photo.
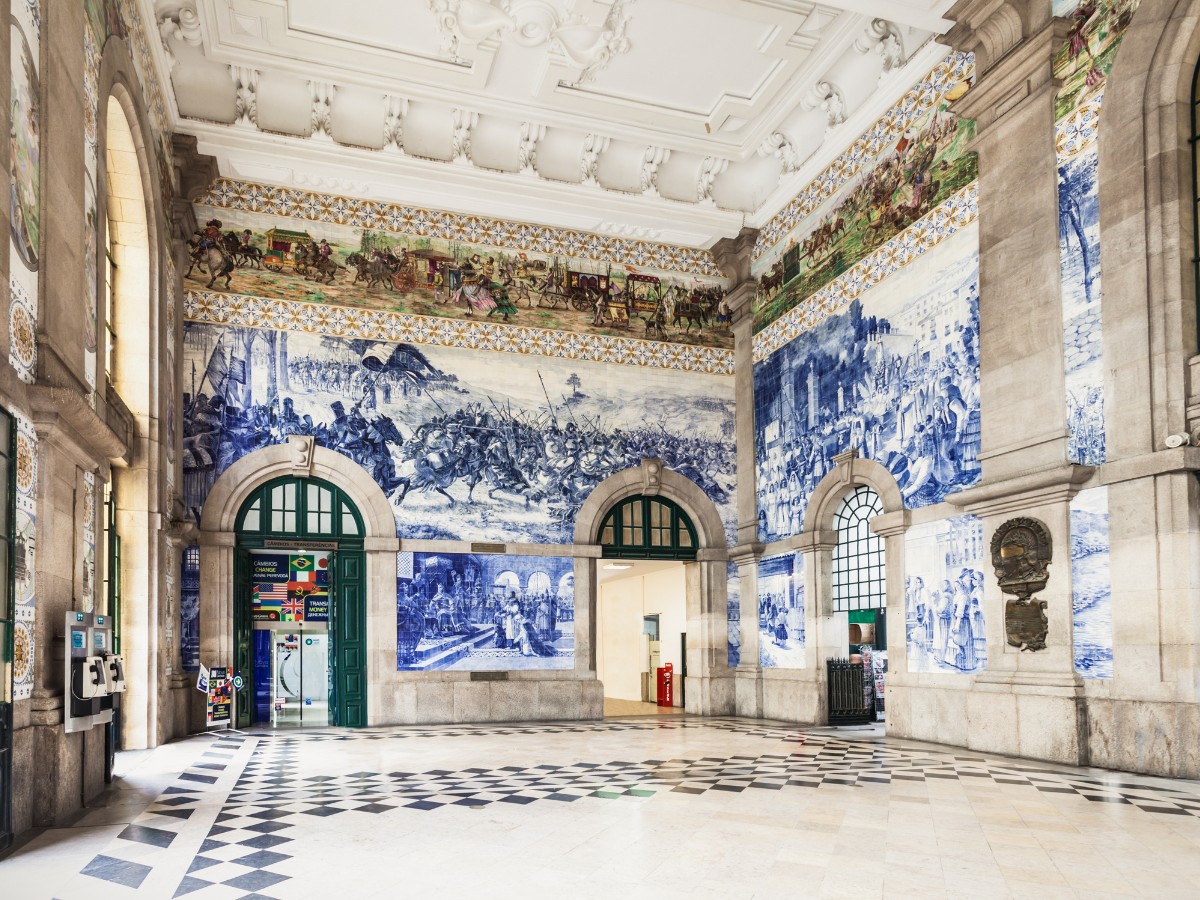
(7, 526)
(243, 646)
(302, 512)
(350, 640)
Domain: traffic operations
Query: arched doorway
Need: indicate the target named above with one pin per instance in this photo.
(641, 618)
(299, 610)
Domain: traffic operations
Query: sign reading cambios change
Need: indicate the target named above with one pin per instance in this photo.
(289, 587)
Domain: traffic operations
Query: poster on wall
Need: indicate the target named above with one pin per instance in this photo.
(473, 612)
(781, 636)
(289, 587)
(944, 620)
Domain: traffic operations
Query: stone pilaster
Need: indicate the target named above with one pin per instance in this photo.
(1020, 310)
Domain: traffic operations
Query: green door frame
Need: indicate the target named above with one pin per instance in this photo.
(8, 487)
(299, 511)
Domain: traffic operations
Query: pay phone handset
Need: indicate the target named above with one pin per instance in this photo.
(90, 678)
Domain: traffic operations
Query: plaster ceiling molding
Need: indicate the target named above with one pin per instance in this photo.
(779, 145)
(460, 141)
(354, 117)
(710, 170)
(496, 144)
(321, 115)
(884, 39)
(559, 155)
(830, 100)
(530, 136)
(245, 96)
(677, 176)
(593, 147)
(465, 24)
(623, 229)
(429, 131)
(340, 187)
(283, 104)
(620, 166)
(744, 184)
(652, 158)
(394, 110)
(178, 22)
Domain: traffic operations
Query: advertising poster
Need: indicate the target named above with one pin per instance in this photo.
(289, 587)
(220, 697)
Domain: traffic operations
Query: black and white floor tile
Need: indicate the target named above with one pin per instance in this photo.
(253, 815)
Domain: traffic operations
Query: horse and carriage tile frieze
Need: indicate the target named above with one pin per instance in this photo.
(464, 447)
(649, 296)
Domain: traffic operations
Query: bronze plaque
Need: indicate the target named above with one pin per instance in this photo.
(1021, 554)
(1025, 624)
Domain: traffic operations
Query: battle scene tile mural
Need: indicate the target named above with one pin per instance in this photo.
(467, 445)
(945, 627)
(895, 375)
(475, 612)
(781, 635)
(1091, 584)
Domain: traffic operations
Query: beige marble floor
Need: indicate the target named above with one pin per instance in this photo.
(668, 807)
(614, 708)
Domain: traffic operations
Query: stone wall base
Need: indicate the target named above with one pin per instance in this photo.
(1154, 738)
(452, 702)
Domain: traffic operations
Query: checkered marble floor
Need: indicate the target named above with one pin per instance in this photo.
(677, 806)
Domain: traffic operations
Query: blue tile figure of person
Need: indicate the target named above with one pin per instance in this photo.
(410, 626)
(527, 639)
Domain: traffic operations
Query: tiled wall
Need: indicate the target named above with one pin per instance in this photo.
(781, 629)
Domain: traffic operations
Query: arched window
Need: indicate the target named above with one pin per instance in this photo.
(302, 507)
(648, 528)
(859, 569)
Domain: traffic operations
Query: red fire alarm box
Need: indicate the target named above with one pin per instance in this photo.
(666, 694)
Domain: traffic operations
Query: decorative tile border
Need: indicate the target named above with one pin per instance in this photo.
(925, 95)
(313, 206)
(22, 328)
(214, 307)
(950, 217)
(1077, 132)
(25, 559)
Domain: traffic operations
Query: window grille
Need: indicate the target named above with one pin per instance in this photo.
(859, 568)
(648, 528)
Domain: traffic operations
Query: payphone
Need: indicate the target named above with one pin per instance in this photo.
(93, 674)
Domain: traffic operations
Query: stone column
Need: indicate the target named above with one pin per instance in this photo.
(892, 527)
(825, 630)
(1022, 390)
(1025, 703)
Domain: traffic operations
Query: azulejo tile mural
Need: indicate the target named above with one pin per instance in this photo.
(947, 220)
(334, 321)
(1083, 335)
(1091, 584)
(945, 627)
(25, 196)
(914, 159)
(463, 612)
(280, 243)
(1087, 55)
(781, 635)
(25, 559)
(896, 374)
(733, 585)
(465, 446)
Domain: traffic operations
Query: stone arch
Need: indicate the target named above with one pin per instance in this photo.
(651, 478)
(127, 194)
(1147, 229)
(710, 688)
(845, 476)
(301, 458)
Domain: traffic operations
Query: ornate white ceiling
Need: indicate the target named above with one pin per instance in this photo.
(677, 120)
